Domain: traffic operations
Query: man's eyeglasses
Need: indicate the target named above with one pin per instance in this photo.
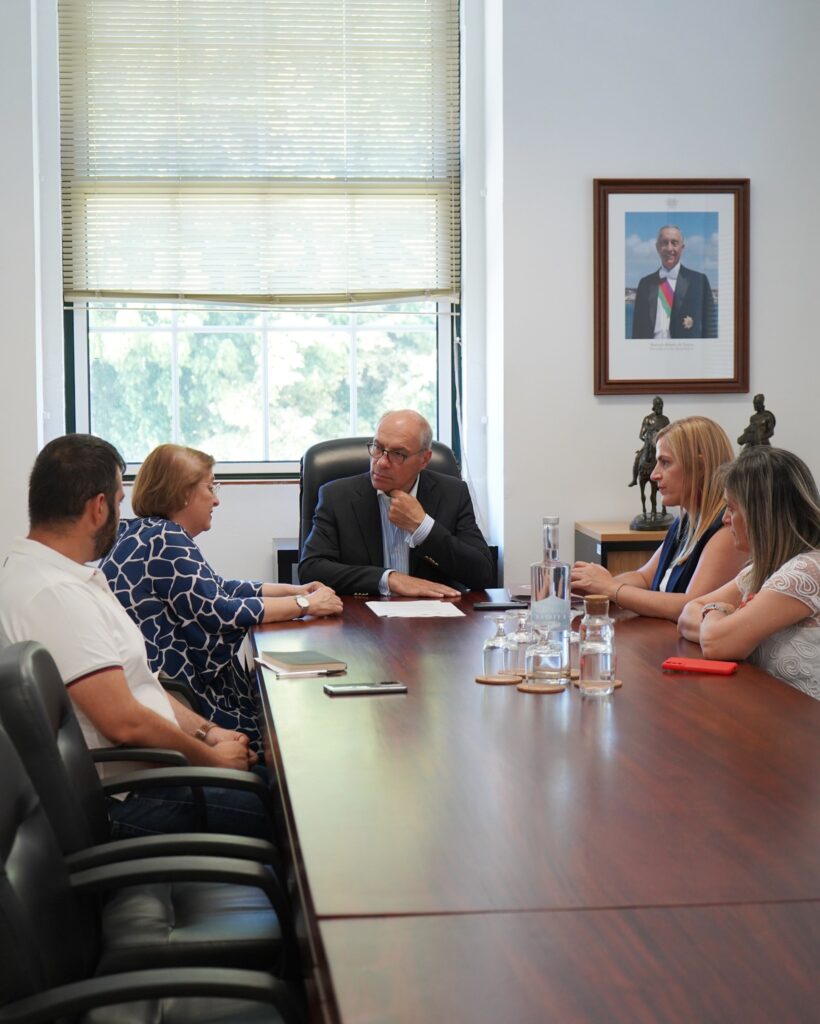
(393, 457)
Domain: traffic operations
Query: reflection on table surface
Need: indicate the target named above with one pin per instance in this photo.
(464, 799)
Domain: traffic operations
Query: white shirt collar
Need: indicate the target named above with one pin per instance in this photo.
(671, 274)
(36, 549)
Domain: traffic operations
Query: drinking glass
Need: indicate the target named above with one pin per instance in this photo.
(547, 660)
(494, 647)
(519, 638)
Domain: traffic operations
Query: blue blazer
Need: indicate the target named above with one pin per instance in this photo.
(682, 574)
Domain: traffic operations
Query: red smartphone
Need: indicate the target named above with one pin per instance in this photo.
(714, 668)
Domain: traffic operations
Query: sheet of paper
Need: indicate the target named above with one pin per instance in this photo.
(415, 609)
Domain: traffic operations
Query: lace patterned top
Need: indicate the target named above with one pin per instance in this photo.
(793, 654)
(193, 621)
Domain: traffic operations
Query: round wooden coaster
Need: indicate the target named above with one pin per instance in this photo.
(618, 682)
(524, 687)
(500, 679)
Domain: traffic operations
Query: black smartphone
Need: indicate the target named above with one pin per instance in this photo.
(364, 689)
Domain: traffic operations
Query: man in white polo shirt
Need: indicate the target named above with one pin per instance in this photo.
(49, 593)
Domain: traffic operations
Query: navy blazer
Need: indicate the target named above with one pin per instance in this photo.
(681, 574)
(693, 300)
(344, 546)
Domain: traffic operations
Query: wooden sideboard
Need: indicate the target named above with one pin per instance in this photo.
(614, 546)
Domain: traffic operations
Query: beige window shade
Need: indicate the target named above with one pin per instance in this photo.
(260, 150)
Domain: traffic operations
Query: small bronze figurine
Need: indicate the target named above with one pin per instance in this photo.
(642, 467)
(761, 425)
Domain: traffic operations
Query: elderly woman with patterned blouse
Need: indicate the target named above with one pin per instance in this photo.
(194, 622)
(770, 613)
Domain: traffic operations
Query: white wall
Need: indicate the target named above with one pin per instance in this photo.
(19, 271)
(569, 92)
(589, 91)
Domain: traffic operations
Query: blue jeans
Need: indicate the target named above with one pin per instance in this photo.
(172, 809)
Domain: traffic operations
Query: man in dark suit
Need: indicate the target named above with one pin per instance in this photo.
(674, 302)
(400, 528)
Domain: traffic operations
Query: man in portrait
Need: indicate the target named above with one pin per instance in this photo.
(674, 302)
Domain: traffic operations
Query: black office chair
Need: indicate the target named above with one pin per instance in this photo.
(193, 922)
(50, 937)
(347, 456)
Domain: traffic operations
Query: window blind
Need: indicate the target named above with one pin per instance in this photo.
(263, 151)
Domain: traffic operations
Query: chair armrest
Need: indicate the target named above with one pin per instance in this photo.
(156, 755)
(181, 869)
(161, 983)
(225, 778)
(172, 845)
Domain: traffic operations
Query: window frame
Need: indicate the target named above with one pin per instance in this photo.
(445, 429)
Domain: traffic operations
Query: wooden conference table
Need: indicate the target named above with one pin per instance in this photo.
(471, 853)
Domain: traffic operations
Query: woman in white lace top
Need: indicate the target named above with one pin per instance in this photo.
(770, 613)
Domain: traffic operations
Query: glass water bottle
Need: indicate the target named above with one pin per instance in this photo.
(550, 579)
(597, 643)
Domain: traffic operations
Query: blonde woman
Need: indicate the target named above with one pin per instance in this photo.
(770, 613)
(194, 622)
(698, 553)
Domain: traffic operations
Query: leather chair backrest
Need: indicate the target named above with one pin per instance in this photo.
(47, 936)
(347, 456)
(37, 713)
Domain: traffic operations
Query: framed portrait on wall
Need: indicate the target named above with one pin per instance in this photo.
(671, 285)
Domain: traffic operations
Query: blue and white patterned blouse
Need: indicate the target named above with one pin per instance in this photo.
(193, 621)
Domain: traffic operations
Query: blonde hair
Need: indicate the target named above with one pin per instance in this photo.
(700, 446)
(166, 478)
(778, 497)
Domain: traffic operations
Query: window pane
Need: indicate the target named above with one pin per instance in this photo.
(130, 390)
(251, 385)
(396, 370)
(220, 395)
(309, 387)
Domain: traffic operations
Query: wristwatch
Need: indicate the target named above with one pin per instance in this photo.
(712, 606)
(203, 730)
(304, 604)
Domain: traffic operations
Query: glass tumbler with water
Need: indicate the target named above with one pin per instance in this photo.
(597, 644)
(547, 660)
(494, 648)
(519, 638)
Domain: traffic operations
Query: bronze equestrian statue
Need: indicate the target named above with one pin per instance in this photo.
(644, 463)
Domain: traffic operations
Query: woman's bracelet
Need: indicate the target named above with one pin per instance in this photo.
(712, 606)
(617, 591)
